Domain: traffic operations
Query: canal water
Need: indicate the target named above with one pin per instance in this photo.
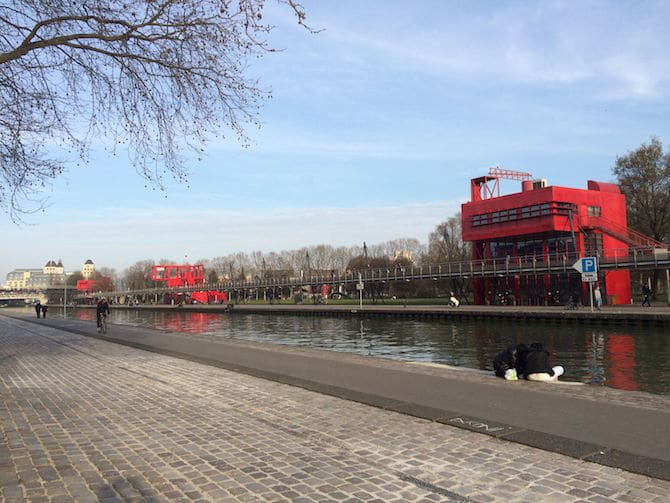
(627, 358)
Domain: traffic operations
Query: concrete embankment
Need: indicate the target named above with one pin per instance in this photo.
(657, 315)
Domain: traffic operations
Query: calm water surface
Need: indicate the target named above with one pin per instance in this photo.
(628, 358)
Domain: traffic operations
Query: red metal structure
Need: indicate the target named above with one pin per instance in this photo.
(87, 285)
(175, 276)
(543, 223)
(92, 285)
(179, 275)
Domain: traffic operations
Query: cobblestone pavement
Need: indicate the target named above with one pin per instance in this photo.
(87, 420)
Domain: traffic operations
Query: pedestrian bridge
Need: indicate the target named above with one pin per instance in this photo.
(643, 258)
(19, 299)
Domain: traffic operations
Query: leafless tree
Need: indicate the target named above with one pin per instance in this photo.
(644, 177)
(155, 76)
(138, 275)
(445, 243)
(401, 247)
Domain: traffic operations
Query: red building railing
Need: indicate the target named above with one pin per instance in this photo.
(622, 233)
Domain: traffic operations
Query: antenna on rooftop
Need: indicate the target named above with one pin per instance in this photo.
(508, 174)
(481, 190)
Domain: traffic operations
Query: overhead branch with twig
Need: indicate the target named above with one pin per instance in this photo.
(157, 77)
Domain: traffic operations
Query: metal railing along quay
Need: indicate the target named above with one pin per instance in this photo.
(642, 258)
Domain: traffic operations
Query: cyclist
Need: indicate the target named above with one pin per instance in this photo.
(102, 309)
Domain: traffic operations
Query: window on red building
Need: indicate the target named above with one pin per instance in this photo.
(594, 211)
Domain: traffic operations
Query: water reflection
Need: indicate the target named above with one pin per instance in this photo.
(635, 358)
(621, 353)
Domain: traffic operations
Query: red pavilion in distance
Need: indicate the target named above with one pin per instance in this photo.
(176, 276)
(543, 223)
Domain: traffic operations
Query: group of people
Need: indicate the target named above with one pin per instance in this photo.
(41, 308)
(646, 293)
(101, 309)
(521, 361)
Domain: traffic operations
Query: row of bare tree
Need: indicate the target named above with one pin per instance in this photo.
(444, 244)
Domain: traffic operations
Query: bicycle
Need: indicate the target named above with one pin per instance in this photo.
(102, 327)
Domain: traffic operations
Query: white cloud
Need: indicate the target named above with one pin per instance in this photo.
(524, 43)
(118, 237)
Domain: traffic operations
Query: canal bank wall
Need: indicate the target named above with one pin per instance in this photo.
(656, 315)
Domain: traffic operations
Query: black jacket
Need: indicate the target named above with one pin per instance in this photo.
(507, 359)
(536, 360)
(102, 308)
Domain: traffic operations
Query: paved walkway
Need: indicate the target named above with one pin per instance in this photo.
(83, 419)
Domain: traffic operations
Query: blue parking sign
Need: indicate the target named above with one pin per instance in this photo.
(589, 264)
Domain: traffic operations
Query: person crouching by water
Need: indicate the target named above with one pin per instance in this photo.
(507, 363)
(532, 362)
(102, 308)
(535, 362)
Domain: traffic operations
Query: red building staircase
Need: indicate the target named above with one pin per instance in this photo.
(626, 235)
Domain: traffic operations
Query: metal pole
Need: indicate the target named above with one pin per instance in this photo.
(65, 300)
(667, 284)
(591, 293)
(360, 290)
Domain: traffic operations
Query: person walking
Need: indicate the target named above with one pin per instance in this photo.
(38, 308)
(646, 291)
(44, 310)
(598, 297)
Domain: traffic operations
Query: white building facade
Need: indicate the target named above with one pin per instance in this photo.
(36, 279)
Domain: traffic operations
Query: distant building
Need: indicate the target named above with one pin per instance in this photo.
(88, 269)
(93, 281)
(35, 279)
(402, 255)
(543, 223)
(52, 267)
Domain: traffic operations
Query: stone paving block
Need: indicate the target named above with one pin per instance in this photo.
(12, 492)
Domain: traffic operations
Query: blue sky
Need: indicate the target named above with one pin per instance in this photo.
(376, 125)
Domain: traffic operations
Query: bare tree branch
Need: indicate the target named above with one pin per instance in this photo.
(155, 77)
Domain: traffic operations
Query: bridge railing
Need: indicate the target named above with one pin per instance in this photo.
(643, 257)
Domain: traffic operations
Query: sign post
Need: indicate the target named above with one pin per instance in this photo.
(588, 266)
(360, 287)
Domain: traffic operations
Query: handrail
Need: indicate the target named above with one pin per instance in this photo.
(622, 233)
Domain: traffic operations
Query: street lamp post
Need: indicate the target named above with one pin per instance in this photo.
(64, 296)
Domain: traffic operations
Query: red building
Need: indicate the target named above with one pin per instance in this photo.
(102, 284)
(175, 276)
(545, 223)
